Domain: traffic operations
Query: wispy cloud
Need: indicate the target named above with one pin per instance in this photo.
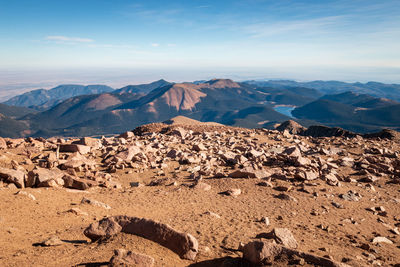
(155, 45)
(66, 39)
(204, 6)
(308, 26)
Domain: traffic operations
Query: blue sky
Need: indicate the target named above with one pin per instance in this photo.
(325, 39)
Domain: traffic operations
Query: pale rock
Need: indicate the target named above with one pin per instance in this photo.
(129, 153)
(282, 236)
(26, 194)
(212, 214)
(381, 239)
(78, 212)
(95, 203)
(42, 178)
(261, 252)
(13, 176)
(199, 147)
(234, 192)
(202, 186)
(51, 242)
(249, 172)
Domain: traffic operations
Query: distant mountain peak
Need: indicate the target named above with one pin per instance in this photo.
(183, 96)
(222, 83)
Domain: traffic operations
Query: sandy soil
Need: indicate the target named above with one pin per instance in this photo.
(317, 225)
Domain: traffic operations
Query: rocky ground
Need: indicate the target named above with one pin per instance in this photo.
(198, 194)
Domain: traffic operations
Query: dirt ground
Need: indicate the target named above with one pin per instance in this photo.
(318, 226)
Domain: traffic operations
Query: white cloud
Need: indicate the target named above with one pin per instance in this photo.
(155, 45)
(60, 38)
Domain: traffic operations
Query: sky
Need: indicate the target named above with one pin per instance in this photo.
(128, 41)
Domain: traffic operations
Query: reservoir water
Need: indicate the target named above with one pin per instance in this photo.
(285, 110)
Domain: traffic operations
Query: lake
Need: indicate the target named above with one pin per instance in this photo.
(285, 110)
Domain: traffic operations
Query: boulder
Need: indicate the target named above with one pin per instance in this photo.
(74, 148)
(291, 126)
(13, 176)
(77, 183)
(292, 151)
(185, 245)
(90, 142)
(249, 172)
(43, 178)
(199, 147)
(284, 236)
(124, 257)
(261, 252)
(129, 153)
(178, 131)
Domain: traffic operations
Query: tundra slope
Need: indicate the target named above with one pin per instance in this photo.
(247, 196)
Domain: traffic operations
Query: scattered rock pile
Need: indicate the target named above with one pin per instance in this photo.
(331, 168)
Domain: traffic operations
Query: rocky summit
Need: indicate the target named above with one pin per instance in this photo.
(185, 193)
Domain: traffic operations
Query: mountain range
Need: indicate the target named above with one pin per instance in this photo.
(42, 99)
(76, 110)
(391, 91)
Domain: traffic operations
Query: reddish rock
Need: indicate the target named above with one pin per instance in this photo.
(89, 141)
(261, 252)
(42, 178)
(77, 183)
(249, 172)
(185, 245)
(285, 237)
(128, 154)
(13, 176)
(123, 257)
(293, 151)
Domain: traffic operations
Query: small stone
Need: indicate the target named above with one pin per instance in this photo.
(381, 239)
(337, 205)
(135, 184)
(77, 211)
(265, 220)
(234, 192)
(395, 231)
(26, 194)
(284, 196)
(50, 242)
(95, 203)
(212, 214)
